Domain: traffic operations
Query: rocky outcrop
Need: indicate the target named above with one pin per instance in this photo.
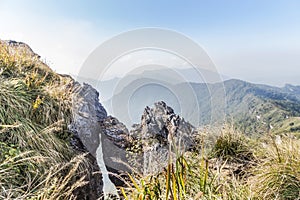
(90, 124)
(23, 64)
(161, 124)
(162, 133)
(87, 113)
(19, 47)
(88, 116)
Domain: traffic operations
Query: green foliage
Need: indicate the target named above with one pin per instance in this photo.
(292, 107)
(295, 129)
(8, 151)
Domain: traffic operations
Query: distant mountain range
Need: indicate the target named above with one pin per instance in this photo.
(173, 76)
(253, 108)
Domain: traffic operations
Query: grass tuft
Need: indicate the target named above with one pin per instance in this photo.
(278, 174)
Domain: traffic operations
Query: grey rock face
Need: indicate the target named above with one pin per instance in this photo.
(163, 125)
(89, 122)
(116, 132)
(163, 134)
(87, 113)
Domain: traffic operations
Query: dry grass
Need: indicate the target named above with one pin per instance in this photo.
(37, 161)
(278, 174)
(271, 170)
(193, 175)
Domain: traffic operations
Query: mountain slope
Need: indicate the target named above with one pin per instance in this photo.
(260, 108)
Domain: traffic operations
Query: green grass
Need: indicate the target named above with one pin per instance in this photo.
(278, 174)
(233, 146)
(289, 125)
(267, 170)
(196, 175)
(37, 161)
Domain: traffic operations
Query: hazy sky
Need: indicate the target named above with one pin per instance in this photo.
(254, 40)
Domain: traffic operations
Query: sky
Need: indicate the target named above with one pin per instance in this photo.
(252, 40)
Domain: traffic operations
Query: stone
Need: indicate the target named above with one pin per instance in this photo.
(116, 132)
(162, 124)
(87, 113)
(163, 135)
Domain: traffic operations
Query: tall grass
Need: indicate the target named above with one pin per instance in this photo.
(271, 170)
(193, 175)
(37, 161)
(278, 174)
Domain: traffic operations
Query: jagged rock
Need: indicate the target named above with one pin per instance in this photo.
(90, 124)
(116, 131)
(87, 113)
(162, 124)
(90, 121)
(160, 131)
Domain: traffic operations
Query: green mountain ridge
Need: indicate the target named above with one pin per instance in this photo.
(261, 108)
(253, 108)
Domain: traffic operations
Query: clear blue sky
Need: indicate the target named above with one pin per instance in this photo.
(254, 40)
